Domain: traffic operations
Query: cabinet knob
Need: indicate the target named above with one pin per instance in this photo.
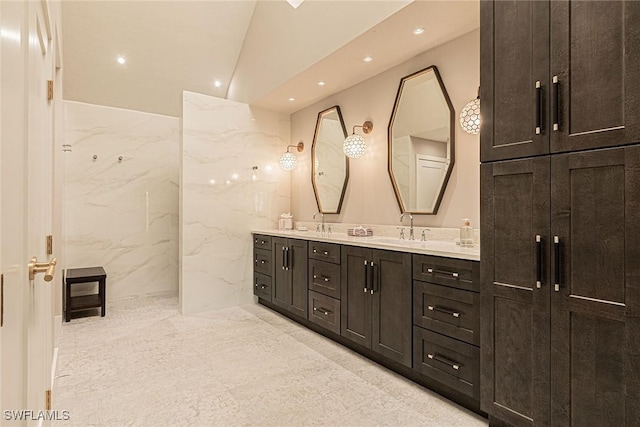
(326, 253)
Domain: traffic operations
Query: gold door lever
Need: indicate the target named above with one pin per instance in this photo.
(48, 268)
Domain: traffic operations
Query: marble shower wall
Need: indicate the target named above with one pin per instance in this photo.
(223, 198)
(122, 214)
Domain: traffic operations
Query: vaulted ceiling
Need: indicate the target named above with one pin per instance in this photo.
(259, 52)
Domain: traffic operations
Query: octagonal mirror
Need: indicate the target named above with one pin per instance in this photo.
(329, 165)
(421, 142)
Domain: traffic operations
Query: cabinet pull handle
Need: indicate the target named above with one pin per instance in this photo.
(443, 310)
(556, 247)
(446, 273)
(284, 257)
(434, 356)
(371, 268)
(538, 261)
(322, 310)
(538, 107)
(315, 251)
(263, 286)
(366, 276)
(325, 278)
(556, 104)
(288, 261)
(326, 252)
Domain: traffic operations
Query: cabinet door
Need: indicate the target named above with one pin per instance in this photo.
(595, 313)
(355, 304)
(281, 291)
(297, 265)
(594, 54)
(391, 328)
(514, 52)
(514, 310)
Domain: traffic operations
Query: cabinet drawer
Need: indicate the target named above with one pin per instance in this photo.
(457, 273)
(262, 242)
(329, 252)
(262, 286)
(324, 278)
(262, 261)
(449, 311)
(324, 311)
(448, 361)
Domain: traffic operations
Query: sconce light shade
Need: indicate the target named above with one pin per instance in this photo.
(470, 116)
(288, 161)
(354, 146)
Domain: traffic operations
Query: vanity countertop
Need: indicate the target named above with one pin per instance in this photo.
(446, 249)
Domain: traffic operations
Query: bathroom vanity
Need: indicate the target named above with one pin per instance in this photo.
(410, 306)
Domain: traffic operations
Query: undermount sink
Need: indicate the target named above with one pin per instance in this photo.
(395, 241)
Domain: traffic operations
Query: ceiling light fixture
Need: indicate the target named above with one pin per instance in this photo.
(322, 83)
(367, 59)
(121, 60)
(418, 31)
(292, 99)
(470, 116)
(288, 161)
(354, 146)
(295, 3)
(217, 83)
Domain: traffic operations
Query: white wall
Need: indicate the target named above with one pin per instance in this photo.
(369, 198)
(122, 215)
(222, 198)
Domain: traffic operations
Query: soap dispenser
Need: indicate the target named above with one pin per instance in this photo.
(466, 234)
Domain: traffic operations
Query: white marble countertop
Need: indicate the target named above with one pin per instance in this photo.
(441, 248)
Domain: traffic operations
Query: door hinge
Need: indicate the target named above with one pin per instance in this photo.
(47, 400)
(1, 300)
(49, 90)
(50, 244)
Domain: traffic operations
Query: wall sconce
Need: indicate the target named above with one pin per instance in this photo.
(470, 116)
(354, 146)
(288, 161)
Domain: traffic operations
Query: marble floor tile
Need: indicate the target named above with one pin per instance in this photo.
(146, 365)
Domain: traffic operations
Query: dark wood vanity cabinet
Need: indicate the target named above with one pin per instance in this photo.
(446, 322)
(290, 275)
(376, 301)
(262, 266)
(561, 289)
(558, 76)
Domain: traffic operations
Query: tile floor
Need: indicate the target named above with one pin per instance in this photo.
(146, 365)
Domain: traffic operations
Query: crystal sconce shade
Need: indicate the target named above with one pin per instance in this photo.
(355, 146)
(288, 161)
(470, 116)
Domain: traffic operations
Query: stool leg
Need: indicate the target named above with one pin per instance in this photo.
(103, 296)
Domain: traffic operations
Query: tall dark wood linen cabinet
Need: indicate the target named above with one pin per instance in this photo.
(560, 212)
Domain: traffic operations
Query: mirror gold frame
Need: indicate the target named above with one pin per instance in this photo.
(417, 134)
(335, 158)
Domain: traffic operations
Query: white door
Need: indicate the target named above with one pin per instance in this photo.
(430, 173)
(26, 142)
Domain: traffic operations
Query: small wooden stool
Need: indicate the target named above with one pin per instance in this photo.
(84, 302)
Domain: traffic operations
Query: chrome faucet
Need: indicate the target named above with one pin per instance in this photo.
(411, 237)
(424, 234)
(322, 215)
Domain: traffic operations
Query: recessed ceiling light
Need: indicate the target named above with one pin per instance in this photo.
(292, 99)
(367, 59)
(217, 83)
(295, 3)
(418, 31)
(121, 60)
(321, 83)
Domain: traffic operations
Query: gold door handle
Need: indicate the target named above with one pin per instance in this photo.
(48, 268)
